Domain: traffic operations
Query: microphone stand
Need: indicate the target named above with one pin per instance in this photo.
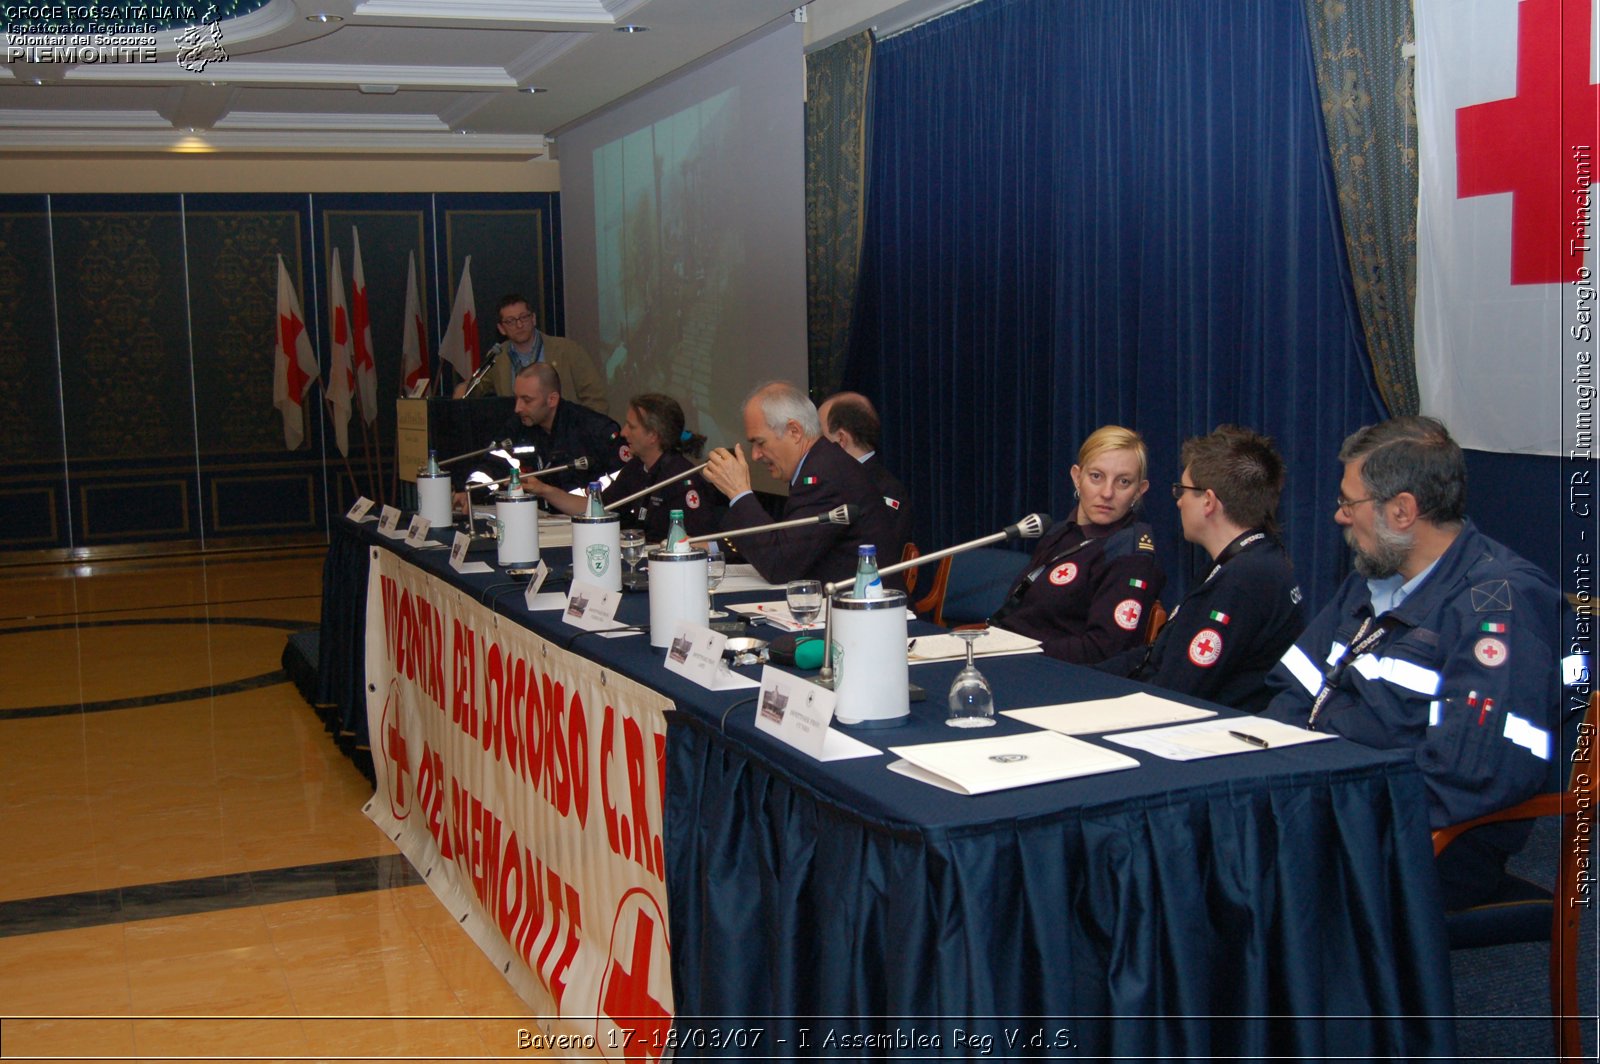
(652, 489)
(504, 445)
(577, 463)
(1030, 527)
(483, 371)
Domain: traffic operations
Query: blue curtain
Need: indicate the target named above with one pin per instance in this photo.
(1101, 211)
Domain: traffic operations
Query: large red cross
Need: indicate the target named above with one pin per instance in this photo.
(628, 1001)
(1524, 145)
(289, 330)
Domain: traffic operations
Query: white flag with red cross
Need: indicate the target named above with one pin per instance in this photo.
(294, 366)
(361, 337)
(414, 341)
(341, 371)
(1508, 127)
(460, 344)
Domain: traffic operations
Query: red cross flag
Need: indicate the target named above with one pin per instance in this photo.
(414, 342)
(341, 372)
(361, 337)
(294, 366)
(1508, 132)
(460, 344)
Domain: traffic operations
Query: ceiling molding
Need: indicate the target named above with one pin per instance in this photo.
(526, 146)
(487, 10)
(305, 75)
(239, 120)
(81, 120)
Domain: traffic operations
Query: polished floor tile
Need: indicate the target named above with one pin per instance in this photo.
(189, 873)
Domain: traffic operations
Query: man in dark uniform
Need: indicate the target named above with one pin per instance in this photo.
(848, 419)
(1442, 642)
(561, 432)
(785, 434)
(1233, 626)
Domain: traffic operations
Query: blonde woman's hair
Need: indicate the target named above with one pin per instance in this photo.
(1115, 438)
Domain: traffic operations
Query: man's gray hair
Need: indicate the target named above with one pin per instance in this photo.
(781, 403)
(1414, 454)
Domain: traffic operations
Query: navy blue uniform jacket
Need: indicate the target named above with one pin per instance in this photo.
(828, 478)
(1088, 598)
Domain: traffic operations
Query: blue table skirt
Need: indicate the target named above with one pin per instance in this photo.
(1276, 904)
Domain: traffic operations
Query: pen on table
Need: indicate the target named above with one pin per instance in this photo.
(1253, 740)
(911, 646)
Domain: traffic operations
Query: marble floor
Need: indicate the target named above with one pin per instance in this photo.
(188, 873)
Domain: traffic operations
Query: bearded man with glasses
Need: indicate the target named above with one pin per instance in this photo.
(1442, 641)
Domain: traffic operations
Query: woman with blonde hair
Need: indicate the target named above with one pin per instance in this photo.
(1087, 592)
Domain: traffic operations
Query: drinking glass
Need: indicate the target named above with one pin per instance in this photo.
(632, 543)
(971, 697)
(804, 598)
(716, 566)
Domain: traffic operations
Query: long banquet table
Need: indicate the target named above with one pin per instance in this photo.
(1280, 903)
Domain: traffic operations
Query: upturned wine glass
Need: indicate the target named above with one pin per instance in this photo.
(971, 697)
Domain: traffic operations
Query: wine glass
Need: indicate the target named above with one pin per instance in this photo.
(805, 600)
(971, 697)
(716, 567)
(632, 543)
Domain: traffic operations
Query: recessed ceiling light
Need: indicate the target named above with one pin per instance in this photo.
(630, 28)
(531, 89)
(324, 18)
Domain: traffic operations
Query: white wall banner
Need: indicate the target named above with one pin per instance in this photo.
(525, 785)
(1507, 116)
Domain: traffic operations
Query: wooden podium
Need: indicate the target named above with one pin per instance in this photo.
(449, 426)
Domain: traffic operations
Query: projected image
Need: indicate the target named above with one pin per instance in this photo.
(669, 260)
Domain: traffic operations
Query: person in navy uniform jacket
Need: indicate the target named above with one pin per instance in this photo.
(1442, 642)
(1086, 595)
(1233, 626)
(849, 419)
(662, 452)
(785, 434)
(561, 431)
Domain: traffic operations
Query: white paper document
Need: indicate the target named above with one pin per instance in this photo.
(1218, 736)
(1138, 710)
(993, 643)
(978, 766)
(744, 578)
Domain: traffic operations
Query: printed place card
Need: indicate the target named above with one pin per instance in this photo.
(536, 580)
(591, 608)
(458, 556)
(695, 653)
(358, 512)
(389, 522)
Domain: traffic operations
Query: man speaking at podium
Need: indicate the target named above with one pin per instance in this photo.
(523, 345)
(785, 434)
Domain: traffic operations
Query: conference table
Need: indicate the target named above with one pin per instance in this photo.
(1275, 903)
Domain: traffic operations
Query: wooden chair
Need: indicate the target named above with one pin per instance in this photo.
(1158, 620)
(1525, 911)
(909, 551)
(931, 605)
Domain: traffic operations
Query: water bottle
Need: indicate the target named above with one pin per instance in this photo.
(433, 462)
(868, 584)
(675, 534)
(597, 508)
(514, 486)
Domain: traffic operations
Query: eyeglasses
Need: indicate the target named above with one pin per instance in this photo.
(1179, 488)
(520, 319)
(1346, 505)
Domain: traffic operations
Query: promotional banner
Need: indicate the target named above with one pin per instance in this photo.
(525, 784)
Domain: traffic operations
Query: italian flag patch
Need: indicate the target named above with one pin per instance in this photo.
(1492, 626)
(1134, 581)
(808, 480)
(1220, 617)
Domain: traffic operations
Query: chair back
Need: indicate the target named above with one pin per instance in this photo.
(910, 575)
(1158, 620)
(978, 582)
